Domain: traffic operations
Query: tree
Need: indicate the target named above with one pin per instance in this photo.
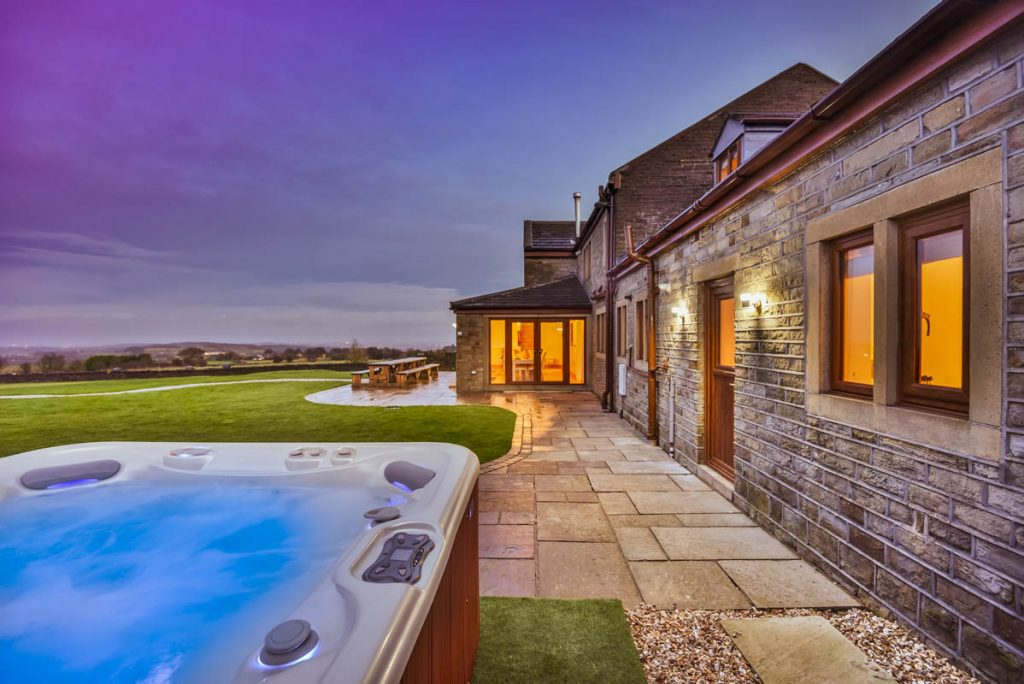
(75, 365)
(337, 354)
(26, 368)
(314, 353)
(3, 362)
(290, 354)
(51, 363)
(193, 356)
(356, 354)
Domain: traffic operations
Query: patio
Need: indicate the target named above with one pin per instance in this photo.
(584, 507)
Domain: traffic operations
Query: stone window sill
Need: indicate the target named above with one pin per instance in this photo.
(913, 425)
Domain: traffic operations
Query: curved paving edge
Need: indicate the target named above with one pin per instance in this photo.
(167, 388)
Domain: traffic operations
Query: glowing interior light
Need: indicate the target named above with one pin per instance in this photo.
(72, 483)
(403, 487)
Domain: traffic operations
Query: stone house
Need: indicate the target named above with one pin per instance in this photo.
(815, 302)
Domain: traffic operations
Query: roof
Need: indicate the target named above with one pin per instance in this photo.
(947, 33)
(566, 293)
(549, 235)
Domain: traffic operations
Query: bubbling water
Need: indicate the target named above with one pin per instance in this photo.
(135, 582)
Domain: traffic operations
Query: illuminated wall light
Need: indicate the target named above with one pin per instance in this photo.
(680, 313)
(755, 300)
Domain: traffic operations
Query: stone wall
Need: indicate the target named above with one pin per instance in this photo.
(596, 240)
(472, 347)
(931, 534)
(540, 270)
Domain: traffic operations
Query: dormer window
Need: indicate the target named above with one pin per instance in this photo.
(728, 161)
(742, 135)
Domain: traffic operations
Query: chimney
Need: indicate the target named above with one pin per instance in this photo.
(576, 201)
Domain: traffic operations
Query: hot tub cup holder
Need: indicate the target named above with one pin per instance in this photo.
(188, 458)
(343, 456)
(305, 458)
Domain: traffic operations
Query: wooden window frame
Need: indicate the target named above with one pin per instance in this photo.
(537, 371)
(734, 152)
(601, 330)
(640, 314)
(585, 258)
(621, 340)
(844, 244)
(930, 222)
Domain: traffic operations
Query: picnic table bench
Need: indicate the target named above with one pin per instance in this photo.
(397, 372)
(411, 375)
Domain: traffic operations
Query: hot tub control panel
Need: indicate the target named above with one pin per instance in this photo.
(401, 559)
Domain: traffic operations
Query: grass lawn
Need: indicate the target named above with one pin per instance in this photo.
(87, 386)
(549, 640)
(272, 412)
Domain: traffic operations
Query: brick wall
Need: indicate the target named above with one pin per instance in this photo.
(933, 536)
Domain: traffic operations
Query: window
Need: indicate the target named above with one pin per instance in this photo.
(853, 314)
(497, 362)
(938, 318)
(934, 267)
(728, 161)
(602, 332)
(530, 351)
(640, 335)
(585, 262)
(620, 330)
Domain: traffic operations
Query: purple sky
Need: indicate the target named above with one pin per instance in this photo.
(317, 171)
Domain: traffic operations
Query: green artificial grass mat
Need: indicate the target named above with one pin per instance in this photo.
(536, 640)
(270, 412)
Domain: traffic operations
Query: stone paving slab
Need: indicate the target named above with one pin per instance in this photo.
(506, 501)
(632, 483)
(639, 544)
(584, 522)
(794, 650)
(648, 467)
(687, 584)
(715, 520)
(616, 503)
(562, 483)
(663, 520)
(508, 577)
(506, 541)
(581, 570)
(581, 492)
(720, 543)
(786, 584)
(681, 502)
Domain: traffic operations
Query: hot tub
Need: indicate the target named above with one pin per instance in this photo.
(166, 562)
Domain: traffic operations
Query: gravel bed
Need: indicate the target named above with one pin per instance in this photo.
(691, 646)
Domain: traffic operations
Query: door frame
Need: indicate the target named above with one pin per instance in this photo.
(716, 290)
(537, 374)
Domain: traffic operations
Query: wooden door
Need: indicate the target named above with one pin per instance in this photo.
(721, 375)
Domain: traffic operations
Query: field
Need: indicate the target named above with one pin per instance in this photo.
(265, 412)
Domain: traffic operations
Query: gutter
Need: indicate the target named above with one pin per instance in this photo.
(609, 312)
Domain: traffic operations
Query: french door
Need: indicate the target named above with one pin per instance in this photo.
(538, 351)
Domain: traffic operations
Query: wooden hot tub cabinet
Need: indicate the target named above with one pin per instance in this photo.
(446, 648)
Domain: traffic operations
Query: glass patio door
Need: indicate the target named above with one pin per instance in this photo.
(552, 351)
(522, 350)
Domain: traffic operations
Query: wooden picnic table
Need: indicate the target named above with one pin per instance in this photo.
(396, 371)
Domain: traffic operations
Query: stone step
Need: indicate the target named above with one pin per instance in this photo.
(802, 650)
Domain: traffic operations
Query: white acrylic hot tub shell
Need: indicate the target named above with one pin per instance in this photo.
(367, 631)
